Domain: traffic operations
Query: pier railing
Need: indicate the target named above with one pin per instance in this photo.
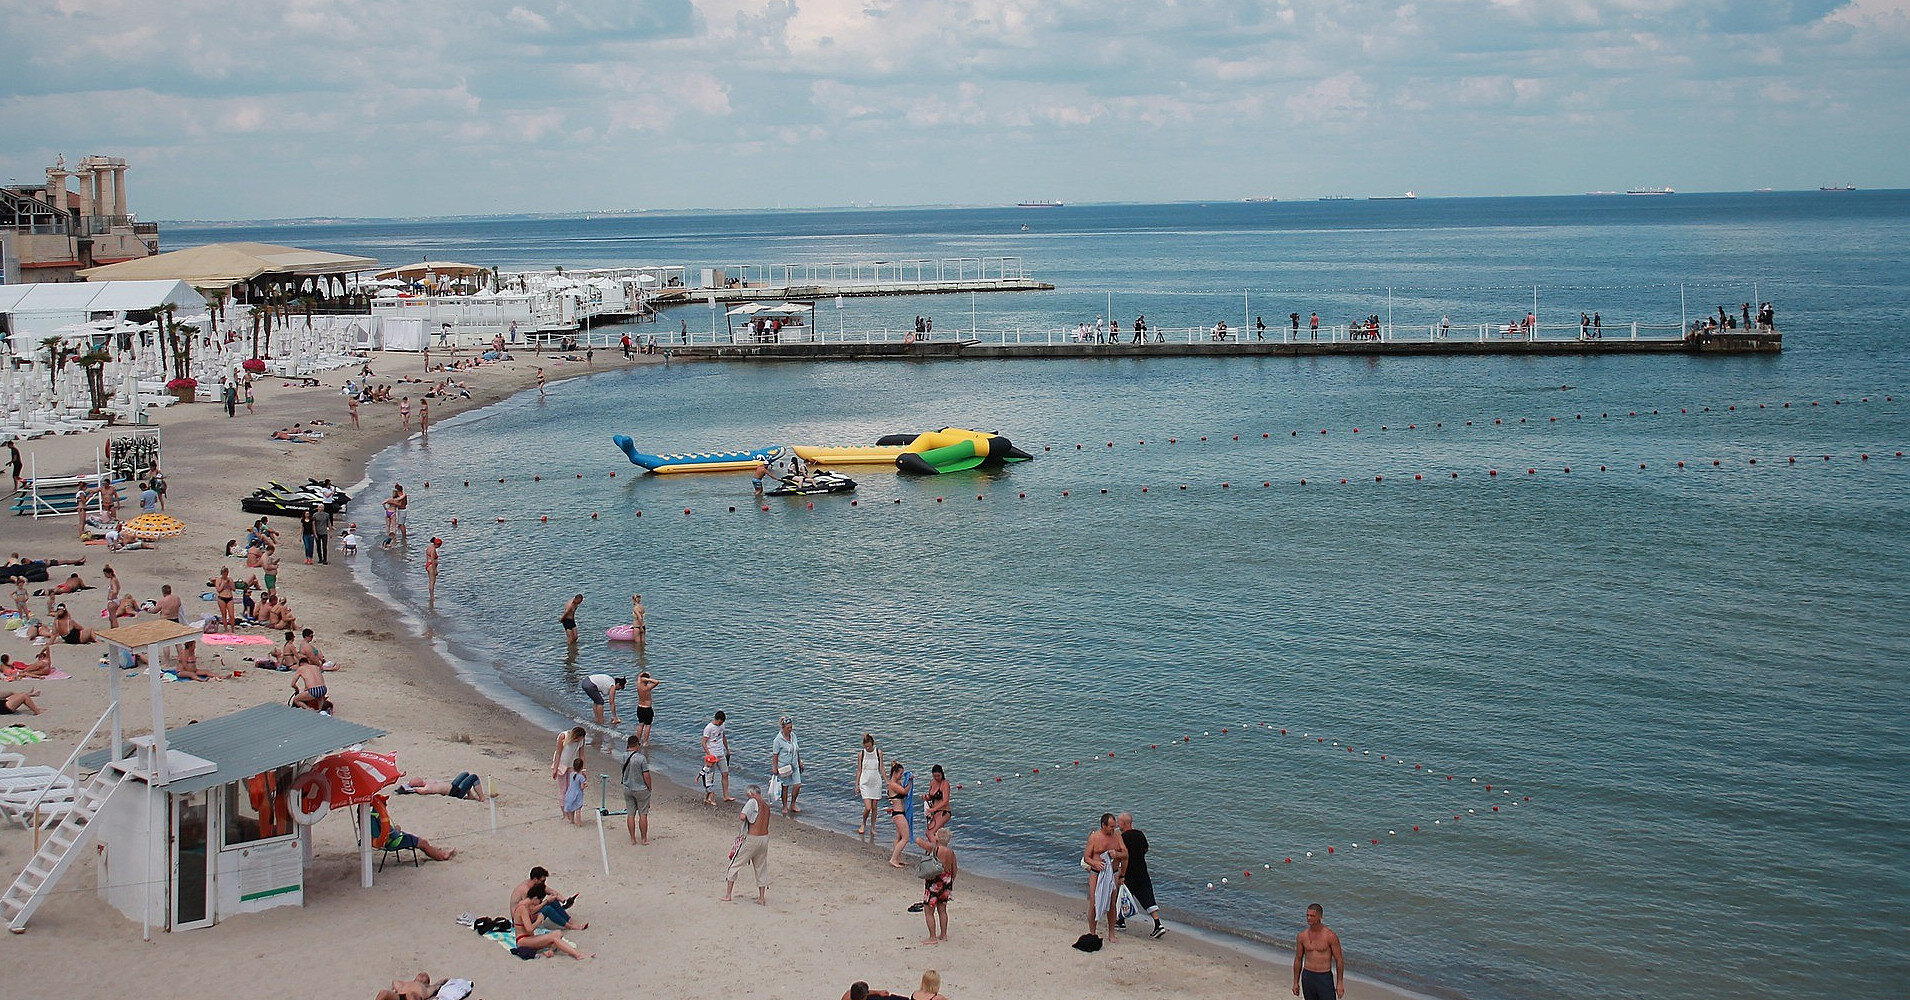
(1325, 334)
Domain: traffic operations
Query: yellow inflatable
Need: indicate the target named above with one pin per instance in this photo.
(889, 448)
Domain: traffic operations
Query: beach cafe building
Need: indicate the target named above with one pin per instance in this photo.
(197, 823)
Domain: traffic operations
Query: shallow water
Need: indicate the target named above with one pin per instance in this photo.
(1696, 675)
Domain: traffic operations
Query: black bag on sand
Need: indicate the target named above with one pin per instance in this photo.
(1088, 942)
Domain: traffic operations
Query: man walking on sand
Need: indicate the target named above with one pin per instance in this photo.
(636, 791)
(754, 851)
(716, 754)
(1319, 967)
(1137, 880)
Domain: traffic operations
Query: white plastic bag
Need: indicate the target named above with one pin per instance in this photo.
(1124, 905)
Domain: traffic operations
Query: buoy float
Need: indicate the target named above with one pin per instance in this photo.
(810, 504)
(732, 510)
(686, 510)
(593, 515)
(454, 522)
(1417, 476)
(545, 518)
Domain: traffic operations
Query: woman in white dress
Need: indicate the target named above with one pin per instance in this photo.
(868, 781)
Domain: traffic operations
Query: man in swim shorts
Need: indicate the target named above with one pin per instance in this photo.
(598, 687)
(1319, 967)
(310, 681)
(1104, 857)
(636, 791)
(568, 618)
(762, 472)
(645, 714)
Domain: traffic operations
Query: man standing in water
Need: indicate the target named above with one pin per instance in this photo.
(1319, 968)
(598, 687)
(1137, 879)
(636, 616)
(645, 713)
(568, 618)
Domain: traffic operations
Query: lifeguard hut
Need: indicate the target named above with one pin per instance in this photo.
(194, 824)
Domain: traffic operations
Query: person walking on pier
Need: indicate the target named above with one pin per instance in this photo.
(1584, 327)
(1598, 327)
(1294, 319)
(1140, 329)
(1314, 325)
(1259, 328)
(1445, 327)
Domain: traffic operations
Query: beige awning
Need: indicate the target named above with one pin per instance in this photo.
(441, 268)
(222, 265)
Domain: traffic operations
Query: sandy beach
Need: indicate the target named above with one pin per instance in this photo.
(837, 913)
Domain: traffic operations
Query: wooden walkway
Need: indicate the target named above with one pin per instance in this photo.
(813, 292)
(1754, 342)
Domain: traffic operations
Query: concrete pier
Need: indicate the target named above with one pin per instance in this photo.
(811, 293)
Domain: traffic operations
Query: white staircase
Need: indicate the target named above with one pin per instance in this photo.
(65, 845)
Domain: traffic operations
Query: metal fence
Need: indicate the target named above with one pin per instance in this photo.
(1325, 334)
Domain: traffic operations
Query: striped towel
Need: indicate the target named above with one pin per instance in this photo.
(17, 736)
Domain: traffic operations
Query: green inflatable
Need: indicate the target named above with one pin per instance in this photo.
(960, 456)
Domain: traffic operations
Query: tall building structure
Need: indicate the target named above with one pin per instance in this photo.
(51, 232)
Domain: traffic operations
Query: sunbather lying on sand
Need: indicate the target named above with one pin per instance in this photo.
(296, 433)
(11, 702)
(465, 786)
(420, 987)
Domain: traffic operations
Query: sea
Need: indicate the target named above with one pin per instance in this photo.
(1547, 676)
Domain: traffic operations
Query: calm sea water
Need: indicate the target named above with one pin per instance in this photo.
(1696, 675)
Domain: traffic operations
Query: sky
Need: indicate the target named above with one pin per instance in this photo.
(398, 108)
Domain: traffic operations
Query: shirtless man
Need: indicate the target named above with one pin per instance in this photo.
(431, 569)
(762, 472)
(310, 685)
(645, 713)
(419, 987)
(568, 618)
(399, 504)
(72, 584)
(308, 651)
(1105, 857)
(636, 615)
(1319, 967)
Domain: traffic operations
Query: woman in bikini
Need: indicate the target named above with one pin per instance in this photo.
(939, 809)
(898, 811)
(524, 922)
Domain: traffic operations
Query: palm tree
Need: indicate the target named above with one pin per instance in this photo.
(55, 348)
(165, 314)
(93, 362)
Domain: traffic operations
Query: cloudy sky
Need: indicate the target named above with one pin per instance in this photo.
(429, 107)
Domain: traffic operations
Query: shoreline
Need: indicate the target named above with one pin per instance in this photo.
(389, 673)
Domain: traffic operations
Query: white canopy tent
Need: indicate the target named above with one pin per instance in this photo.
(32, 312)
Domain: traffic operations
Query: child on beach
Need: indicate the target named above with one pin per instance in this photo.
(574, 792)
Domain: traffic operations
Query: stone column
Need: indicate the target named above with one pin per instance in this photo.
(119, 191)
(89, 190)
(56, 187)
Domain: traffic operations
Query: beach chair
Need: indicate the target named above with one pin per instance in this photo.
(390, 847)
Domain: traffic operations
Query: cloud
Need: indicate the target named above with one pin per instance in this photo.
(309, 106)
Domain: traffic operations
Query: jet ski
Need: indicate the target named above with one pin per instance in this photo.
(811, 485)
(277, 499)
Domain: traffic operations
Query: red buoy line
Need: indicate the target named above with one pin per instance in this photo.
(1353, 847)
(1404, 765)
(1105, 446)
(1499, 800)
(1162, 440)
(1490, 474)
